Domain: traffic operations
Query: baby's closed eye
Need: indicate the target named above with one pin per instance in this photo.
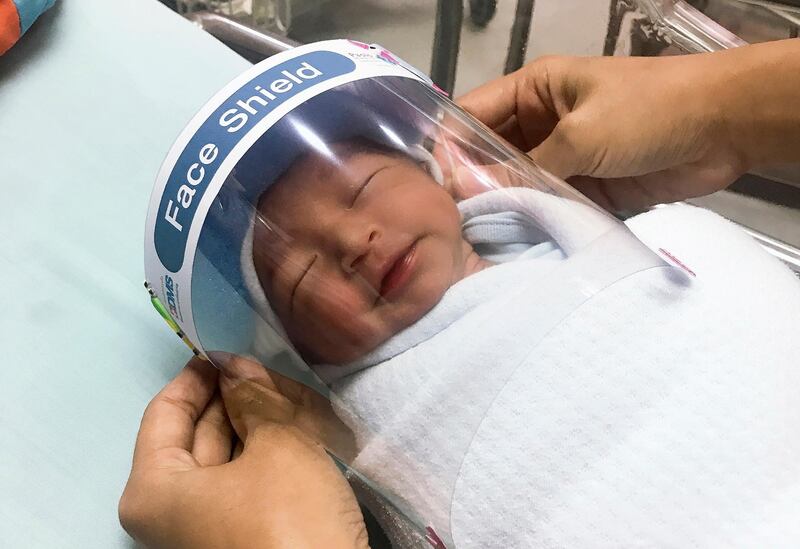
(363, 186)
(299, 281)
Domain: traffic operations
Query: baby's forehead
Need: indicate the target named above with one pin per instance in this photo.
(310, 183)
(324, 173)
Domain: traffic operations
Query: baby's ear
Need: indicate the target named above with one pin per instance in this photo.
(441, 167)
(427, 162)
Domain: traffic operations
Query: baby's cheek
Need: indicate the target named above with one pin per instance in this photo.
(438, 212)
(338, 315)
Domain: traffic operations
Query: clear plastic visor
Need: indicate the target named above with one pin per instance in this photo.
(365, 246)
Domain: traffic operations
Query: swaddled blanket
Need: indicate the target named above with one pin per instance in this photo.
(16, 17)
(596, 399)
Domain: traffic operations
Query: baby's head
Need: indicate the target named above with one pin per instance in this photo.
(353, 247)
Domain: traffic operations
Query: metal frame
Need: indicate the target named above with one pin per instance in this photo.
(251, 44)
(520, 32)
(446, 43)
(447, 40)
(783, 251)
(256, 45)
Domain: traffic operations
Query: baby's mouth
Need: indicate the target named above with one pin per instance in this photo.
(399, 272)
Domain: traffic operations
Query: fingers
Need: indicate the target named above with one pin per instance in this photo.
(613, 195)
(258, 398)
(238, 449)
(251, 397)
(632, 194)
(566, 151)
(169, 420)
(494, 102)
(511, 132)
(524, 107)
(213, 436)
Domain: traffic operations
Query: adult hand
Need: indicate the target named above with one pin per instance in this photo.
(283, 490)
(631, 132)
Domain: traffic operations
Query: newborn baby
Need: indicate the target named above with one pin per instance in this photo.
(371, 243)
(580, 392)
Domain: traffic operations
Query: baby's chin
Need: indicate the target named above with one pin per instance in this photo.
(365, 332)
(342, 353)
(359, 340)
(396, 317)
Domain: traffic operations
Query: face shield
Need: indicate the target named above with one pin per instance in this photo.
(333, 218)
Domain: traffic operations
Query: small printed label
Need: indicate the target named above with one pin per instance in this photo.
(676, 262)
(376, 51)
(433, 539)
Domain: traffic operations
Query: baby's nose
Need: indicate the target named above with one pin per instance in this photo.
(356, 248)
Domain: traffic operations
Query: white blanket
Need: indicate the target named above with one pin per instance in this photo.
(658, 410)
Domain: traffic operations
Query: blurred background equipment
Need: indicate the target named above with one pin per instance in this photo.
(466, 43)
(273, 15)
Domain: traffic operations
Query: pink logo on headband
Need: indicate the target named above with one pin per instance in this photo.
(435, 541)
(387, 56)
(675, 261)
(361, 45)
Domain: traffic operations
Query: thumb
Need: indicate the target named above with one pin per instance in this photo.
(251, 397)
(565, 152)
(256, 397)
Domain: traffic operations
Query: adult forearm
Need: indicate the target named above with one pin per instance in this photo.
(758, 88)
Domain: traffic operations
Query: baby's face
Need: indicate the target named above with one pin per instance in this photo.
(349, 254)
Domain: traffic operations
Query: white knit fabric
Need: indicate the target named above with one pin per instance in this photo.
(658, 413)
